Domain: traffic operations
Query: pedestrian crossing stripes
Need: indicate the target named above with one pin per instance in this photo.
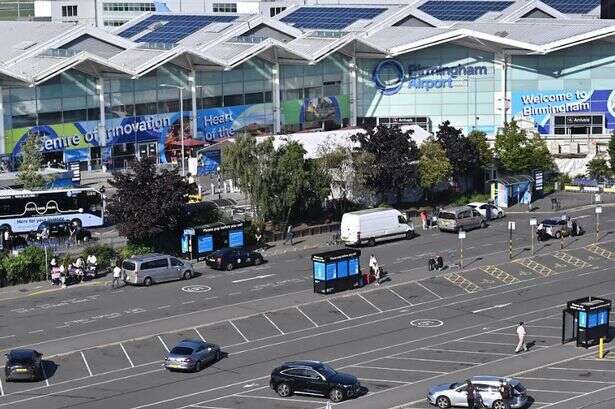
(567, 258)
(594, 248)
(500, 274)
(536, 267)
(461, 282)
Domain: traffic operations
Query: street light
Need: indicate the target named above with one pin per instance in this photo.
(181, 119)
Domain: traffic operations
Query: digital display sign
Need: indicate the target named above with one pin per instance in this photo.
(205, 243)
(235, 238)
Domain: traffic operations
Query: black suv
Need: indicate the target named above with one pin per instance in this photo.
(230, 258)
(313, 377)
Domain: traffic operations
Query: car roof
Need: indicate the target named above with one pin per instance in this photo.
(456, 209)
(311, 364)
(225, 250)
(192, 343)
(550, 221)
(476, 203)
(146, 257)
(22, 353)
(490, 379)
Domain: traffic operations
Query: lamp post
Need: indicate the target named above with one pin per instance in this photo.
(219, 187)
(181, 120)
(462, 235)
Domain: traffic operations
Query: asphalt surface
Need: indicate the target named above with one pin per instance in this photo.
(104, 347)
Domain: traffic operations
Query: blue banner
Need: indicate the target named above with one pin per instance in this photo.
(319, 271)
(235, 238)
(205, 243)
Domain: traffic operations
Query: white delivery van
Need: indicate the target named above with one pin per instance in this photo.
(368, 226)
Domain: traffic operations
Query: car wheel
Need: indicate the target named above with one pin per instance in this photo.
(336, 395)
(257, 261)
(230, 266)
(499, 404)
(218, 356)
(483, 225)
(198, 367)
(500, 215)
(147, 282)
(284, 390)
(371, 242)
(188, 275)
(443, 402)
(409, 234)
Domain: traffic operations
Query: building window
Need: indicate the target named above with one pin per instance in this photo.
(69, 11)
(578, 124)
(129, 7)
(225, 7)
(114, 23)
(422, 121)
(274, 11)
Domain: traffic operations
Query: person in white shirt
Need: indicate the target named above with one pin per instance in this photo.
(91, 260)
(521, 333)
(374, 268)
(117, 272)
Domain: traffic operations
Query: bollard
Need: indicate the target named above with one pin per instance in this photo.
(601, 348)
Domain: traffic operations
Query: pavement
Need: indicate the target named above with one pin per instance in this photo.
(103, 347)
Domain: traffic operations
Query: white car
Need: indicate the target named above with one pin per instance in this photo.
(481, 207)
(454, 394)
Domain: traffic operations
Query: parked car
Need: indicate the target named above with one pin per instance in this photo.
(229, 258)
(454, 394)
(481, 207)
(192, 355)
(552, 228)
(23, 364)
(314, 378)
(460, 218)
(59, 228)
(154, 268)
(371, 225)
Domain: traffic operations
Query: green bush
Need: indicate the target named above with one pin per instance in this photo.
(465, 199)
(134, 250)
(29, 265)
(105, 255)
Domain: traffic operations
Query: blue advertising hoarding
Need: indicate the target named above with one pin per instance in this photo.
(205, 243)
(319, 271)
(235, 238)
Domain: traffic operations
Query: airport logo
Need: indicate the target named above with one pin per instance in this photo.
(389, 76)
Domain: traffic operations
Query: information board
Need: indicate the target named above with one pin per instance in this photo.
(205, 243)
(235, 238)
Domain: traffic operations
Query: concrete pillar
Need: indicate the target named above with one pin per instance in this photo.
(1, 123)
(502, 62)
(275, 98)
(352, 71)
(193, 117)
(102, 129)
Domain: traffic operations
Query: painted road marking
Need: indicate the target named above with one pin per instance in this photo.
(86, 363)
(7, 336)
(239, 332)
(567, 258)
(397, 294)
(1, 388)
(468, 352)
(426, 323)
(35, 331)
(336, 307)
(199, 334)
(427, 289)
(252, 278)
(163, 343)
(127, 357)
(594, 248)
(196, 288)
(383, 368)
(369, 302)
(306, 316)
(462, 282)
(536, 267)
(436, 360)
(241, 395)
(500, 274)
(491, 308)
(273, 323)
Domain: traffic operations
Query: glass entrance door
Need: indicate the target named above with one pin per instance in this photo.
(148, 149)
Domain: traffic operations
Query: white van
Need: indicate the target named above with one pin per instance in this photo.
(367, 226)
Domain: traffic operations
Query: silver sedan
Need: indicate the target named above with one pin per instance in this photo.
(192, 355)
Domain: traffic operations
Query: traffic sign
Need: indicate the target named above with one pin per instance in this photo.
(598, 210)
(533, 222)
(462, 234)
(597, 197)
(511, 225)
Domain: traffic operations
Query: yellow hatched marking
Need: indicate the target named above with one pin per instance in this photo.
(500, 274)
(601, 251)
(536, 267)
(461, 282)
(567, 258)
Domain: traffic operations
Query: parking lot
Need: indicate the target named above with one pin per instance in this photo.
(378, 375)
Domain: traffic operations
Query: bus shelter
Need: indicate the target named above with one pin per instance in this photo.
(199, 241)
(507, 191)
(585, 321)
(336, 270)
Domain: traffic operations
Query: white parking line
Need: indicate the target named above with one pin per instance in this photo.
(369, 302)
(341, 312)
(381, 380)
(206, 407)
(402, 298)
(1, 388)
(239, 332)
(580, 396)
(163, 343)
(35, 331)
(127, 357)
(199, 334)
(581, 369)
(531, 335)
(252, 278)
(467, 352)
(550, 391)
(7, 336)
(563, 380)
(164, 307)
(544, 326)
(273, 323)
(383, 368)
(45, 375)
(471, 341)
(86, 363)
(308, 318)
(436, 360)
(275, 398)
(428, 290)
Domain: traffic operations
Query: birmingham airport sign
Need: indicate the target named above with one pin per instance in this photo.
(420, 77)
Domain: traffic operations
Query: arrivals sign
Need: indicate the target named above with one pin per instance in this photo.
(390, 76)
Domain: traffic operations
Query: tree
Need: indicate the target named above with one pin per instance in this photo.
(462, 154)
(611, 151)
(485, 153)
(336, 160)
(434, 166)
(31, 162)
(242, 165)
(387, 159)
(148, 206)
(598, 168)
(519, 153)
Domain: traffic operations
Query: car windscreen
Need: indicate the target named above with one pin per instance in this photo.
(518, 387)
(325, 370)
(21, 358)
(181, 351)
(447, 216)
(128, 265)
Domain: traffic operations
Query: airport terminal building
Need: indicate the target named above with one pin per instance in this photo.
(105, 98)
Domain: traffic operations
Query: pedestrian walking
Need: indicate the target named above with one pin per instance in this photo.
(470, 394)
(374, 269)
(521, 333)
(289, 235)
(506, 393)
(424, 219)
(117, 272)
(258, 236)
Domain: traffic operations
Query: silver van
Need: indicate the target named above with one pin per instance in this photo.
(155, 268)
(460, 218)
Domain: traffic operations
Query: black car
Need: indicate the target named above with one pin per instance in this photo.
(313, 377)
(230, 258)
(59, 228)
(23, 364)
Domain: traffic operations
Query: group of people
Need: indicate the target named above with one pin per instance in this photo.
(475, 401)
(429, 221)
(74, 272)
